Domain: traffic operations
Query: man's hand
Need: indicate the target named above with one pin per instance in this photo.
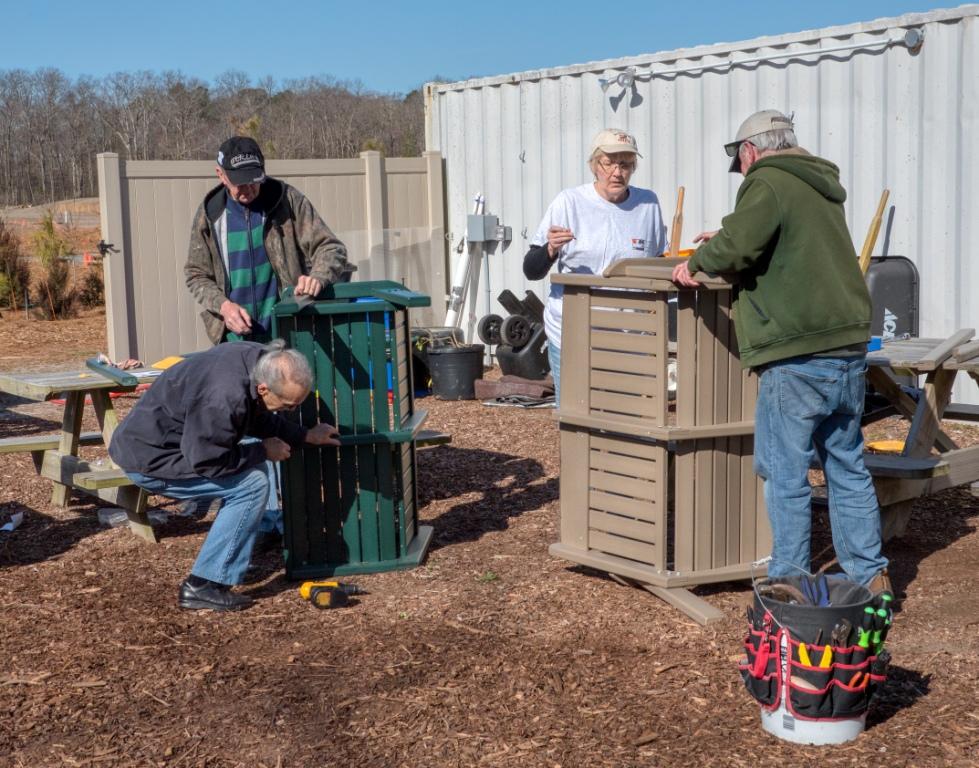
(323, 434)
(236, 317)
(276, 449)
(557, 237)
(308, 285)
(681, 276)
(703, 237)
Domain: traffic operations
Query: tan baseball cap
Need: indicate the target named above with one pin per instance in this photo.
(612, 140)
(760, 122)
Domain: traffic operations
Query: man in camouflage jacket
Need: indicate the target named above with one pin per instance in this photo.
(252, 236)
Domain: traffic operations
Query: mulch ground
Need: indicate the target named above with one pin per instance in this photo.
(491, 654)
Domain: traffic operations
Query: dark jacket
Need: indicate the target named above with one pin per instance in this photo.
(189, 423)
(800, 286)
(297, 241)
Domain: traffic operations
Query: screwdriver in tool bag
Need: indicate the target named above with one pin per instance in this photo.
(866, 627)
(880, 629)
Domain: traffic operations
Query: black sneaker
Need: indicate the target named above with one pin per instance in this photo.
(211, 596)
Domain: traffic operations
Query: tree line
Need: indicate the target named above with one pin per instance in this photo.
(52, 126)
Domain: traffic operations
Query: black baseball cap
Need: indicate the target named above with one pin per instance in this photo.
(242, 160)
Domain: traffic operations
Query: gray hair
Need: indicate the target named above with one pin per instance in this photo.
(277, 365)
(780, 138)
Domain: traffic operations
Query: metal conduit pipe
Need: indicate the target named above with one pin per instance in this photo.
(913, 39)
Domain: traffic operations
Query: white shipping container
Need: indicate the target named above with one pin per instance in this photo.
(905, 119)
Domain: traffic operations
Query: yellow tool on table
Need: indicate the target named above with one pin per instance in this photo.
(167, 362)
(329, 594)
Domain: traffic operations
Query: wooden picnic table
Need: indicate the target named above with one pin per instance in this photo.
(56, 456)
(918, 471)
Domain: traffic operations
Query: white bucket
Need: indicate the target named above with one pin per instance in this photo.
(786, 726)
(782, 723)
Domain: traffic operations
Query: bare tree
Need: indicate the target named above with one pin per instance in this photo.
(51, 128)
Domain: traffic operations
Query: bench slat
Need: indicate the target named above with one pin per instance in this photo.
(44, 442)
(103, 478)
(429, 437)
(907, 467)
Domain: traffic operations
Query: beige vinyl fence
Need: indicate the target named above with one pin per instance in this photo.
(388, 211)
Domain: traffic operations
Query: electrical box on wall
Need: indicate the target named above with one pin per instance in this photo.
(486, 229)
(481, 229)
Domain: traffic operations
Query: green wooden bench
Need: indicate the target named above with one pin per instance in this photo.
(429, 438)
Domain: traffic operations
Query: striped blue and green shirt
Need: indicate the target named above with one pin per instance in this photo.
(253, 282)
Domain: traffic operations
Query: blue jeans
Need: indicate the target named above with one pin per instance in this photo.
(272, 519)
(228, 547)
(812, 406)
(554, 358)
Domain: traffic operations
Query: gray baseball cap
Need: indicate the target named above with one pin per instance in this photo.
(758, 123)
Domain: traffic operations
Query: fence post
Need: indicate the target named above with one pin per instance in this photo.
(374, 207)
(114, 266)
(436, 227)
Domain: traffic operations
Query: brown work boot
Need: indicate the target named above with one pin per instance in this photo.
(880, 583)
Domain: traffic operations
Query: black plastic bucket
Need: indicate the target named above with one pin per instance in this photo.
(454, 371)
(424, 339)
(807, 622)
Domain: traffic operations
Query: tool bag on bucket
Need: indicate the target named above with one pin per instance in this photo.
(815, 642)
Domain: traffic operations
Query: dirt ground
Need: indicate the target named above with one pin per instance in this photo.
(491, 654)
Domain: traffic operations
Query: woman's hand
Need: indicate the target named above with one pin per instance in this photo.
(557, 238)
(681, 276)
(703, 237)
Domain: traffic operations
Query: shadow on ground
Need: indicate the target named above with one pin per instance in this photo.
(42, 536)
(901, 690)
(491, 487)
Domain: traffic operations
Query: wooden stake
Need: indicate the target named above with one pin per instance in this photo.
(677, 228)
(868, 244)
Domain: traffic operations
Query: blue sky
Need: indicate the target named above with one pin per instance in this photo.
(389, 46)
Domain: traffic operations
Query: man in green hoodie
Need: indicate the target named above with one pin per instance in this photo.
(802, 316)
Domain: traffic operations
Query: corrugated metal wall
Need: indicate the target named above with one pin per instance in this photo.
(888, 116)
(388, 212)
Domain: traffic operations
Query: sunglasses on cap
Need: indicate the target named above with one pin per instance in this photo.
(732, 148)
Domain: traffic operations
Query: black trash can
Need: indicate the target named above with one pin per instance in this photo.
(454, 371)
(424, 339)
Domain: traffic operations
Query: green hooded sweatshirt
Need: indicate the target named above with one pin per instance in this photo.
(800, 286)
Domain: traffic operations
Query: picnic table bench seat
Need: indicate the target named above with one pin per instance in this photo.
(93, 480)
(37, 445)
(41, 443)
